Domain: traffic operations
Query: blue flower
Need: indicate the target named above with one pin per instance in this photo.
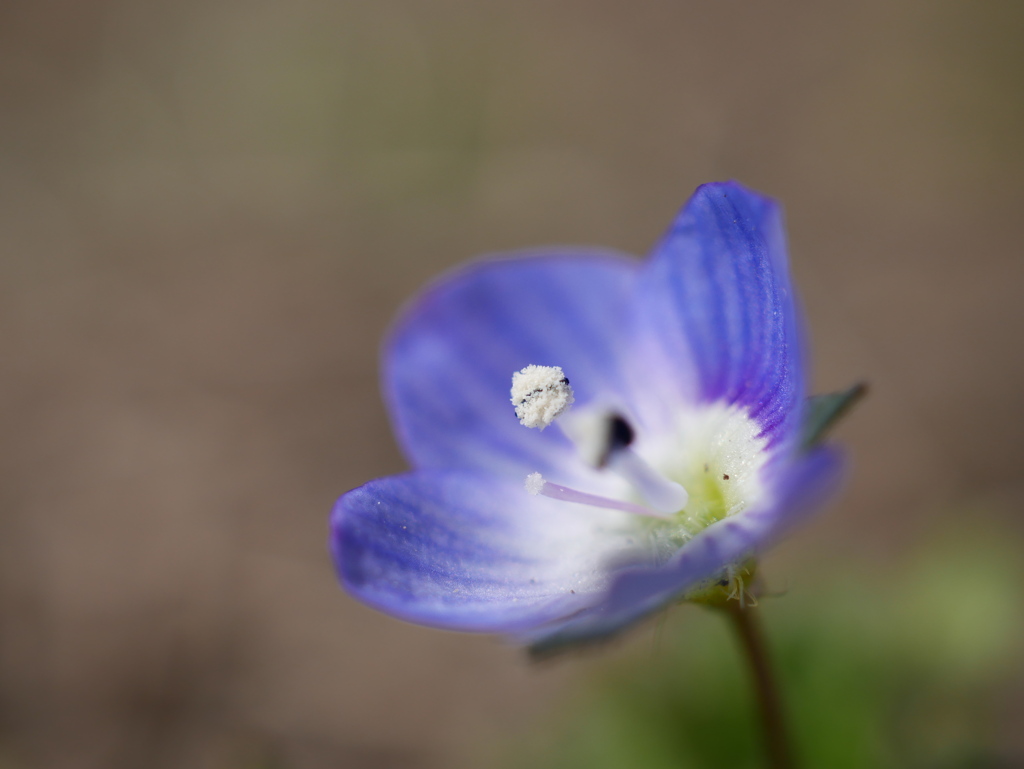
(682, 457)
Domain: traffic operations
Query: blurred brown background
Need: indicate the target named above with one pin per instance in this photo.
(209, 211)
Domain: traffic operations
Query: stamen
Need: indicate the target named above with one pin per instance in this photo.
(535, 484)
(663, 495)
(540, 394)
(607, 440)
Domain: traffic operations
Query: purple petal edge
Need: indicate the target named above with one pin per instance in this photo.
(463, 551)
(717, 296)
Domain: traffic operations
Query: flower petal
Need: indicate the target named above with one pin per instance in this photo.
(716, 297)
(449, 364)
(639, 592)
(463, 551)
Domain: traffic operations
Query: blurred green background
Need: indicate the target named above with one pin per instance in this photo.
(209, 211)
(901, 667)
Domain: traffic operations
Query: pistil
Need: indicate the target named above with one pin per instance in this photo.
(535, 484)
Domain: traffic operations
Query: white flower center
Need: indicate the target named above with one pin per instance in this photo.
(689, 474)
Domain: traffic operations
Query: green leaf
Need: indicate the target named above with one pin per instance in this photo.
(824, 411)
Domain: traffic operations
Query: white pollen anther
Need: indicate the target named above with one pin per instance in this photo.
(540, 394)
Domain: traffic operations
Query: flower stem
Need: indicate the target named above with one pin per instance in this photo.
(769, 704)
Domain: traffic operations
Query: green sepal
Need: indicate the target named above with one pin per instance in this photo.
(822, 412)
